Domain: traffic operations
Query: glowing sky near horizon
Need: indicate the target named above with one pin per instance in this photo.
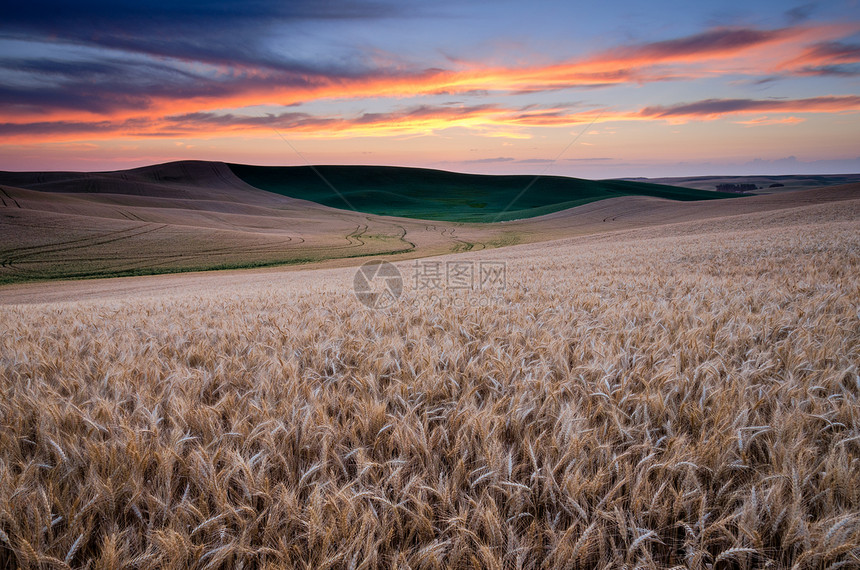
(597, 90)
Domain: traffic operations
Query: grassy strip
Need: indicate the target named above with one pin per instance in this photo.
(139, 272)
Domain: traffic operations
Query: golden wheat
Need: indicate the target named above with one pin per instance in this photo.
(682, 399)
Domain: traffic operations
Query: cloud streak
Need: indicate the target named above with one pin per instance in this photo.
(221, 32)
(184, 69)
(484, 119)
(714, 108)
(166, 75)
(826, 58)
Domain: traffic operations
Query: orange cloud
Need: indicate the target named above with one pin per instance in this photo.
(713, 52)
(486, 120)
(825, 58)
(715, 108)
(798, 50)
(763, 121)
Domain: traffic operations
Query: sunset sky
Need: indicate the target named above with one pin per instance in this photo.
(597, 89)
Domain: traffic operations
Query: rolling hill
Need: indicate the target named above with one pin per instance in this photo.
(448, 196)
(192, 216)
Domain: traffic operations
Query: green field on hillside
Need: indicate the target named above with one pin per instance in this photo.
(449, 196)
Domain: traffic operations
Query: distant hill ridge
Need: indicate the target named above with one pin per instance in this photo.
(448, 196)
(383, 190)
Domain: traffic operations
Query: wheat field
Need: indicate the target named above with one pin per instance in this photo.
(682, 396)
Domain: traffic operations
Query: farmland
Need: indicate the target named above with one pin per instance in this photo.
(677, 394)
(192, 216)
